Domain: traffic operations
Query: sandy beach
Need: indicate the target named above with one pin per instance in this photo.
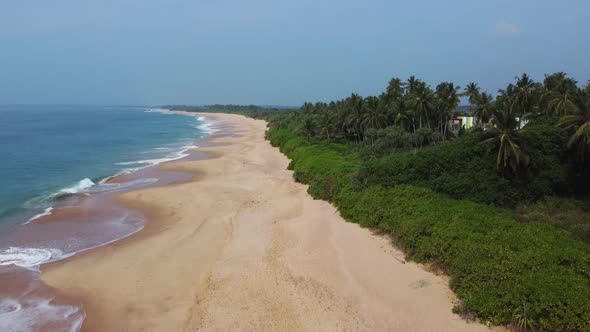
(243, 247)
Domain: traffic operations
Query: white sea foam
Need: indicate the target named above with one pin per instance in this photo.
(78, 187)
(42, 214)
(106, 187)
(25, 314)
(27, 257)
(159, 110)
(207, 126)
(123, 172)
(177, 155)
(47, 201)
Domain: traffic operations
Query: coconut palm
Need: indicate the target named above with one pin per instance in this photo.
(354, 117)
(561, 103)
(472, 91)
(395, 90)
(508, 139)
(327, 124)
(522, 318)
(411, 84)
(421, 100)
(308, 127)
(402, 118)
(559, 96)
(373, 116)
(447, 100)
(307, 108)
(483, 108)
(320, 107)
(525, 88)
(579, 124)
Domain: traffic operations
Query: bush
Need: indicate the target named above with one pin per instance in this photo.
(565, 213)
(461, 169)
(379, 142)
(464, 169)
(495, 263)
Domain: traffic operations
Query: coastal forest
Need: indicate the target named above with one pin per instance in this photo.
(501, 205)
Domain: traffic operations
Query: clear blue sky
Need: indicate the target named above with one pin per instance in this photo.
(277, 51)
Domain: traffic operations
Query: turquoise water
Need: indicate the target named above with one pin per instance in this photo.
(50, 151)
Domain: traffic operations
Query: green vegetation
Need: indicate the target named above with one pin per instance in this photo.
(567, 214)
(493, 206)
(252, 111)
(496, 264)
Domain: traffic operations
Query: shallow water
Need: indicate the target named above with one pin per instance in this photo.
(51, 151)
(76, 218)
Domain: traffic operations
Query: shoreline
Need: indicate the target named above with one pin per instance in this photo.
(242, 246)
(78, 224)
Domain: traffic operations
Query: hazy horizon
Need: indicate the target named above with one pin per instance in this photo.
(276, 53)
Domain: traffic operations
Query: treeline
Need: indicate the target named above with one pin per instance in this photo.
(250, 110)
(233, 108)
(425, 113)
(395, 163)
(530, 141)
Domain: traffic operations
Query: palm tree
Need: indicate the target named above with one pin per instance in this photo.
(411, 84)
(373, 116)
(320, 107)
(524, 93)
(327, 124)
(579, 124)
(483, 108)
(472, 91)
(307, 108)
(354, 116)
(308, 126)
(561, 103)
(395, 90)
(447, 100)
(559, 94)
(507, 139)
(402, 118)
(507, 95)
(522, 318)
(422, 101)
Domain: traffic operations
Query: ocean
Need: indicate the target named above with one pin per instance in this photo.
(61, 167)
(50, 151)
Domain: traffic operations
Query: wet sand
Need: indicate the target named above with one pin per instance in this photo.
(77, 223)
(243, 247)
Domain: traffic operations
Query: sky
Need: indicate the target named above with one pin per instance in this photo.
(277, 52)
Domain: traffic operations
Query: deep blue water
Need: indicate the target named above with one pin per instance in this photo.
(45, 150)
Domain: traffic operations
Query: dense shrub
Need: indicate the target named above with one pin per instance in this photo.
(383, 141)
(325, 166)
(436, 203)
(464, 169)
(496, 264)
(461, 169)
(565, 213)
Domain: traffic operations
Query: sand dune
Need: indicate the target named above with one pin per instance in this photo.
(243, 247)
